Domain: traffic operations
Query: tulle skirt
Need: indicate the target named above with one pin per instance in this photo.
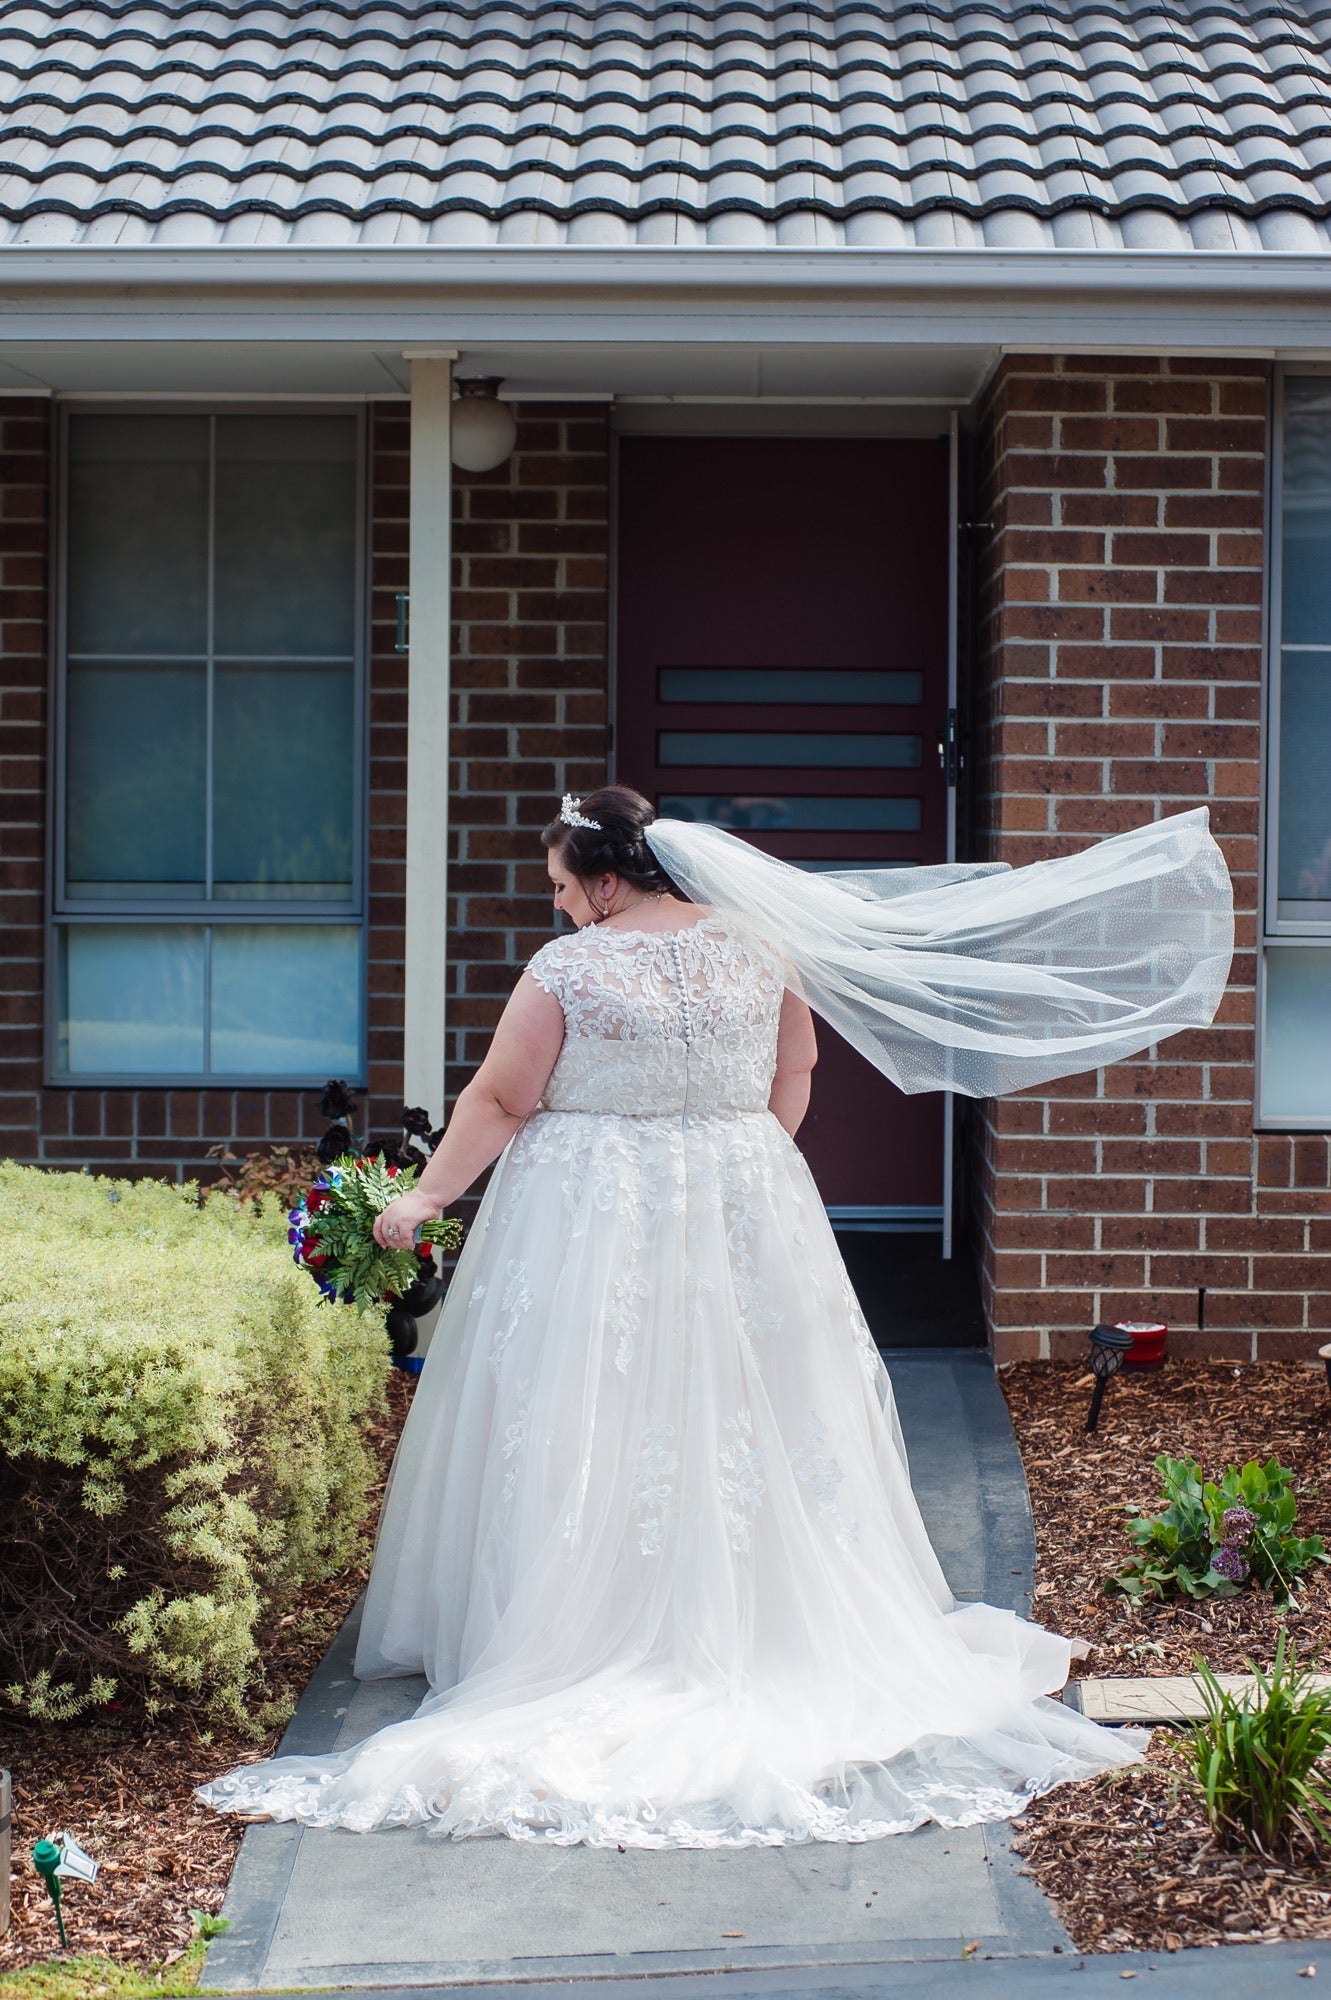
(650, 1535)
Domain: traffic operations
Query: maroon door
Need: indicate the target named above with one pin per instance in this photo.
(782, 670)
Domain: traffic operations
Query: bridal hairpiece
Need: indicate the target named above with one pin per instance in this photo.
(571, 816)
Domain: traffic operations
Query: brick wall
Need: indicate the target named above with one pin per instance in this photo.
(532, 675)
(530, 704)
(1119, 669)
(25, 457)
(529, 713)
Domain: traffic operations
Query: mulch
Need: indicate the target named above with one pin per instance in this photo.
(127, 1795)
(1129, 1859)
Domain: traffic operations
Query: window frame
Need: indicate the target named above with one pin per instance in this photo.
(65, 912)
(1275, 931)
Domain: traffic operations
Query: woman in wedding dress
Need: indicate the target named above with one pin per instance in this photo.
(650, 1533)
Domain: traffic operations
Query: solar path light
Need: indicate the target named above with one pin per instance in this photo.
(1108, 1346)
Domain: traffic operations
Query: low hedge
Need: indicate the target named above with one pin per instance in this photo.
(182, 1444)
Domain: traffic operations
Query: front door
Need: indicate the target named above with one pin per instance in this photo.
(782, 663)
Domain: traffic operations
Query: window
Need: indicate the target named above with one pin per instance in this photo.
(209, 876)
(1296, 955)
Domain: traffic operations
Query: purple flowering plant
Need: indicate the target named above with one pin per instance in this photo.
(1212, 1538)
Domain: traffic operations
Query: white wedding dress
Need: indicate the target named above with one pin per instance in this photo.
(650, 1533)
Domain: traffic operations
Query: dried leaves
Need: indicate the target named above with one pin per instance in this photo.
(129, 1799)
(1129, 1859)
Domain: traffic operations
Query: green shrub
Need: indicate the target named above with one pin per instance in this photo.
(1258, 1758)
(1212, 1537)
(182, 1442)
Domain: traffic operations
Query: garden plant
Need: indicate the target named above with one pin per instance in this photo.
(182, 1444)
(1259, 1758)
(1213, 1537)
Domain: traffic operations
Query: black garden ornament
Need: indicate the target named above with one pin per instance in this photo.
(1109, 1344)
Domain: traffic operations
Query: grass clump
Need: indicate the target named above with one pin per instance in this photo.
(1259, 1757)
(88, 1976)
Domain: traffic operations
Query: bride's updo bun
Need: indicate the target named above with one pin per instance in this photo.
(616, 845)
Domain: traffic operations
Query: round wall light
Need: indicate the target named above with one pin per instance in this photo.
(484, 429)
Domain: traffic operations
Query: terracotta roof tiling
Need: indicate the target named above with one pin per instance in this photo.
(1174, 124)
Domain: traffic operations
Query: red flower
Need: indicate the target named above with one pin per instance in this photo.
(317, 1198)
(392, 1173)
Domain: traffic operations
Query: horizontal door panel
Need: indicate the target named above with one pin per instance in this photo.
(834, 813)
(801, 749)
(793, 686)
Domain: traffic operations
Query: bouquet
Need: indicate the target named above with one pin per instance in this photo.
(332, 1233)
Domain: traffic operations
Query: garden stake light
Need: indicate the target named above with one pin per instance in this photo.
(1108, 1346)
(54, 1858)
(46, 1860)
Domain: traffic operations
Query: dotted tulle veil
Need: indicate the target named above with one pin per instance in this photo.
(986, 979)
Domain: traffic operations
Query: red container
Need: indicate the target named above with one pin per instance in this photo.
(1148, 1342)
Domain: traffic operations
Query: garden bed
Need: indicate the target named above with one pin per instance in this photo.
(1129, 1859)
(128, 1797)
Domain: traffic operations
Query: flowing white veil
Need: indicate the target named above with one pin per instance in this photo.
(986, 979)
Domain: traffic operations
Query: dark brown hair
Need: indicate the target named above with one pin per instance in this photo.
(617, 846)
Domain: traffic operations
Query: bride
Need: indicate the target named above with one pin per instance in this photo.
(650, 1534)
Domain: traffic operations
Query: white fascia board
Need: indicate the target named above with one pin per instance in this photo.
(1054, 299)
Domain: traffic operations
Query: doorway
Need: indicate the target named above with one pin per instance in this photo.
(782, 670)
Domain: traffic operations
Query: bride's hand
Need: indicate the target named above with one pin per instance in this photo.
(396, 1227)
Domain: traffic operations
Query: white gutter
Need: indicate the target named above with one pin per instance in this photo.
(582, 269)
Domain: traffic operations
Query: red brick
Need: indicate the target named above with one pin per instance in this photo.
(1054, 393)
(1212, 510)
(1116, 433)
(1221, 434)
(1110, 510)
(1169, 398)
(1173, 622)
(1151, 1232)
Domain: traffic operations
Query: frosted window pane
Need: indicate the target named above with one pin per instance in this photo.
(1296, 1058)
(1305, 798)
(133, 1000)
(1306, 523)
(762, 812)
(760, 686)
(286, 535)
(138, 534)
(134, 812)
(770, 748)
(286, 1000)
(283, 782)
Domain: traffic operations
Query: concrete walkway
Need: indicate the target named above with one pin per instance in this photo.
(397, 1909)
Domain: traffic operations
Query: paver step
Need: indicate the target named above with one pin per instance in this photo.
(1155, 1697)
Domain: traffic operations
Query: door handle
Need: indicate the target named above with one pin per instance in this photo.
(949, 748)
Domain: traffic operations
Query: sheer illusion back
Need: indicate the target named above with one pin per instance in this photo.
(662, 1023)
(650, 1533)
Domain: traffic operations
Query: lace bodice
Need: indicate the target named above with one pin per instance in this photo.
(662, 1023)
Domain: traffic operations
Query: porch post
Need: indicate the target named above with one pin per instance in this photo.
(429, 565)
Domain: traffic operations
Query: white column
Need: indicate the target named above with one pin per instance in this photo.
(428, 679)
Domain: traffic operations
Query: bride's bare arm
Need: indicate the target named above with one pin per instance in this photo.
(504, 1092)
(796, 1054)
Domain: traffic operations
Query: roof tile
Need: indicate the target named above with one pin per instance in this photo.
(881, 123)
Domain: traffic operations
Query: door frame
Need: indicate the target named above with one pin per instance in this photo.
(877, 421)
